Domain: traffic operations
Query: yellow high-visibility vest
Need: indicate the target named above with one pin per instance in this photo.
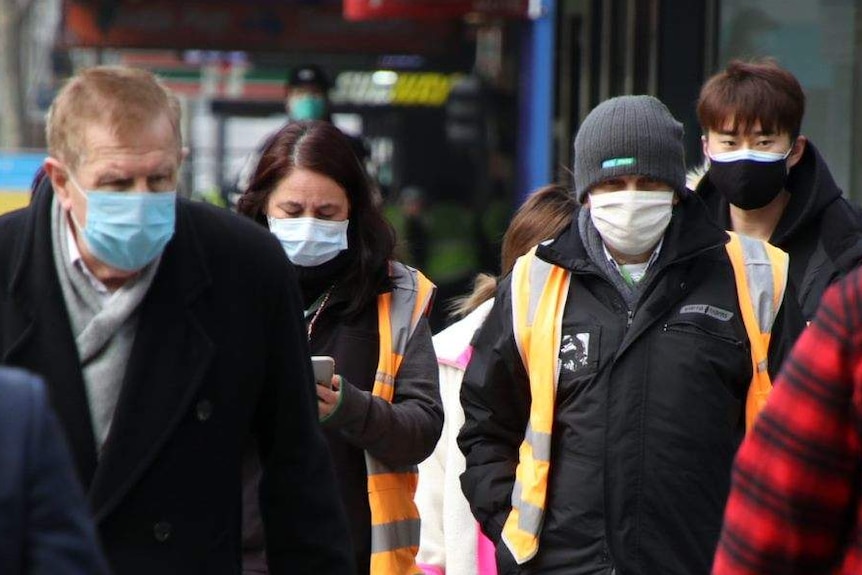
(394, 517)
(539, 291)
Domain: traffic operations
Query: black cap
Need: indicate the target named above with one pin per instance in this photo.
(308, 76)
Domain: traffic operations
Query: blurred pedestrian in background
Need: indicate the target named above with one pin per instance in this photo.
(381, 412)
(768, 181)
(606, 393)
(306, 96)
(167, 332)
(412, 202)
(795, 505)
(45, 525)
(451, 541)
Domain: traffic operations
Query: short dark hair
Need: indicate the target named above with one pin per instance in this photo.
(751, 91)
(322, 148)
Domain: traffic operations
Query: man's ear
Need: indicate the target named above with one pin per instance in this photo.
(59, 176)
(796, 151)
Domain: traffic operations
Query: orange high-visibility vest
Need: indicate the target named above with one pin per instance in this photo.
(539, 291)
(394, 517)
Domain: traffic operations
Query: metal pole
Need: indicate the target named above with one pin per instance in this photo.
(536, 102)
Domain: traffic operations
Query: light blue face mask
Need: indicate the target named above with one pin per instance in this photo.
(307, 107)
(127, 230)
(310, 242)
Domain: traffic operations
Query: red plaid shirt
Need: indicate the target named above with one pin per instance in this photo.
(796, 500)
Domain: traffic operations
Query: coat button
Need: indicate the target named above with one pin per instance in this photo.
(204, 410)
(162, 531)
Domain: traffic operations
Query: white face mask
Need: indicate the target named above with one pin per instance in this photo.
(310, 242)
(631, 222)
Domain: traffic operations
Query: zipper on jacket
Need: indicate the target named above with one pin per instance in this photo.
(630, 315)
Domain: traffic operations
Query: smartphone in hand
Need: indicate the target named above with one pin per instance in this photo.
(324, 369)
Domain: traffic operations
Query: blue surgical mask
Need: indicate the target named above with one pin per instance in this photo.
(127, 230)
(310, 242)
(307, 107)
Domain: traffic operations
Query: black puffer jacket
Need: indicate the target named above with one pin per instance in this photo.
(645, 428)
(820, 229)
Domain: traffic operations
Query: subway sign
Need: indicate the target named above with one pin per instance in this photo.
(389, 88)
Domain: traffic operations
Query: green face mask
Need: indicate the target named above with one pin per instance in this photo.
(307, 107)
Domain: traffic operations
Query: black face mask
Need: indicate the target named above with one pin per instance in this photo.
(748, 184)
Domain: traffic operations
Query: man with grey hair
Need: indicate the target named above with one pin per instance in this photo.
(169, 335)
(621, 363)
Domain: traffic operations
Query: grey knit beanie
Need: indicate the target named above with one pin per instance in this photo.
(627, 136)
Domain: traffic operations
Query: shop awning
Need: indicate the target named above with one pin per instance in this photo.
(252, 25)
(439, 9)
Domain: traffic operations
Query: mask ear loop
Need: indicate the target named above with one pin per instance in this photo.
(787, 155)
(80, 190)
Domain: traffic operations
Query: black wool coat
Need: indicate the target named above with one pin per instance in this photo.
(220, 353)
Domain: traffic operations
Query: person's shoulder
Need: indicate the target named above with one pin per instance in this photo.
(12, 222)
(842, 213)
(218, 226)
(840, 231)
(847, 289)
(235, 244)
(18, 390)
(450, 343)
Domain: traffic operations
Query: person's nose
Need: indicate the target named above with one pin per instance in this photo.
(141, 185)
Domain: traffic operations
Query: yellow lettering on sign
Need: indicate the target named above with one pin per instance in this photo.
(422, 89)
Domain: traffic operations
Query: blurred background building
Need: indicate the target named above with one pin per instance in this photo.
(469, 104)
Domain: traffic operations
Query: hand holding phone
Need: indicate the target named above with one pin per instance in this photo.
(324, 369)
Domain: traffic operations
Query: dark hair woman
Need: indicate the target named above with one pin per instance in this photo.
(381, 412)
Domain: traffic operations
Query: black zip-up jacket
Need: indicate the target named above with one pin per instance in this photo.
(646, 422)
(820, 229)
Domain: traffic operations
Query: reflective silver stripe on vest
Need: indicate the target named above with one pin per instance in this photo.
(540, 443)
(404, 295)
(758, 271)
(405, 533)
(540, 270)
(395, 535)
(384, 378)
(530, 517)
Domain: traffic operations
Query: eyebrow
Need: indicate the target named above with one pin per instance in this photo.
(293, 203)
(736, 133)
(164, 172)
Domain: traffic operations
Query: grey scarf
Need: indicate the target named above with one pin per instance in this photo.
(104, 332)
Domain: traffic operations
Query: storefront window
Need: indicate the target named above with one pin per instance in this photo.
(819, 41)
